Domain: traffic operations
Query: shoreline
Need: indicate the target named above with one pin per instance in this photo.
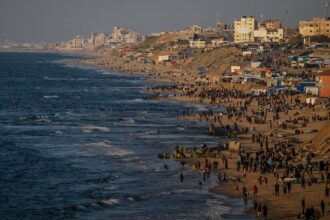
(265, 194)
(242, 209)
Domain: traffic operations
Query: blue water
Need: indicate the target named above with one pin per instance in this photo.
(80, 143)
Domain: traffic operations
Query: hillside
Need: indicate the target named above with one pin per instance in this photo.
(321, 142)
(217, 60)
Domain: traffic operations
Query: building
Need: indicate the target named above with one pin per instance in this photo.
(270, 24)
(315, 27)
(244, 29)
(323, 83)
(76, 42)
(265, 35)
(216, 43)
(197, 44)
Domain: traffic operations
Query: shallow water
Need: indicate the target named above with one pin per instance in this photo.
(81, 143)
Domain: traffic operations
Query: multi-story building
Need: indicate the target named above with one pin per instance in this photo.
(244, 29)
(270, 24)
(76, 42)
(265, 35)
(315, 27)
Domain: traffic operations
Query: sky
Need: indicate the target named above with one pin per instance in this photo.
(59, 20)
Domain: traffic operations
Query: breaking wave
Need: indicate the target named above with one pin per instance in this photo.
(107, 148)
(92, 128)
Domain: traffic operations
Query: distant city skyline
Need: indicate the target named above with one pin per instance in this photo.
(60, 20)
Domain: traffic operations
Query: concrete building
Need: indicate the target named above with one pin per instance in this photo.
(244, 29)
(265, 35)
(270, 24)
(323, 83)
(76, 42)
(216, 43)
(315, 27)
(197, 44)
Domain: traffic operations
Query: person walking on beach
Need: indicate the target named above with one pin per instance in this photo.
(303, 205)
(322, 207)
(277, 189)
(265, 210)
(284, 188)
(255, 191)
(244, 190)
(259, 209)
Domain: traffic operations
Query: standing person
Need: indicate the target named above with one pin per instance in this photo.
(289, 187)
(181, 177)
(265, 210)
(259, 209)
(284, 188)
(277, 189)
(244, 190)
(303, 205)
(255, 191)
(322, 207)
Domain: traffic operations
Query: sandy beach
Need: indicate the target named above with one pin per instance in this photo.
(295, 124)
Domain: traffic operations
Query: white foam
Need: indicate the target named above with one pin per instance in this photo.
(216, 209)
(50, 96)
(105, 72)
(110, 150)
(92, 128)
(179, 128)
(129, 121)
(130, 199)
(182, 190)
(111, 202)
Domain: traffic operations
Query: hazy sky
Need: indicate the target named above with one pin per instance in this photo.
(56, 20)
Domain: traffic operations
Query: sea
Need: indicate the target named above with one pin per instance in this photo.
(81, 142)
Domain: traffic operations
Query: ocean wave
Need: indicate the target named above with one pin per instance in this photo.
(143, 133)
(64, 79)
(178, 128)
(50, 96)
(105, 72)
(216, 209)
(125, 121)
(111, 202)
(131, 199)
(92, 128)
(110, 150)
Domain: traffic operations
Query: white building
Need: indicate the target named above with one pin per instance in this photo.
(269, 35)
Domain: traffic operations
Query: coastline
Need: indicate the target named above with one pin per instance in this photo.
(242, 209)
(291, 204)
